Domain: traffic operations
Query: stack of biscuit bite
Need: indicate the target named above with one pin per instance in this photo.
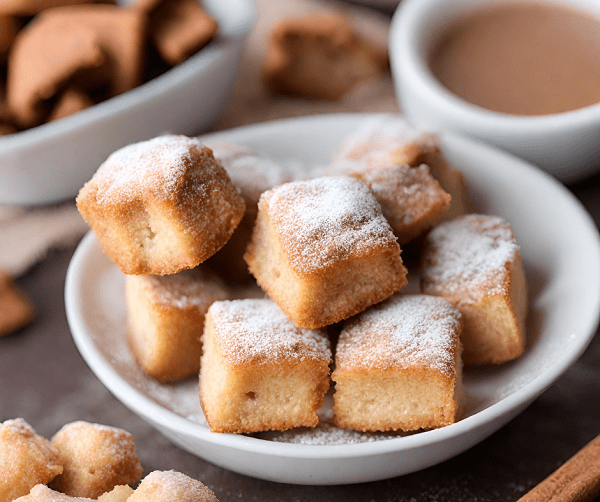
(324, 246)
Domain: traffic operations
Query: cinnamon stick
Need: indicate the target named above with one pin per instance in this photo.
(577, 480)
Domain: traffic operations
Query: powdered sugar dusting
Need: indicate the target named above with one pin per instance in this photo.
(470, 253)
(405, 331)
(323, 221)
(189, 288)
(160, 163)
(257, 331)
(383, 139)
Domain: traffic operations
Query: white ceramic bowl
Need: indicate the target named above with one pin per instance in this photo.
(561, 253)
(566, 145)
(51, 162)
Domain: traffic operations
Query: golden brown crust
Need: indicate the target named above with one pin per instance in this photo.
(319, 56)
(166, 319)
(26, 459)
(160, 486)
(474, 262)
(398, 366)
(323, 251)
(96, 458)
(259, 371)
(161, 206)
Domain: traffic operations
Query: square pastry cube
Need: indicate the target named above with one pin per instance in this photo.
(161, 206)
(323, 251)
(474, 263)
(260, 371)
(166, 319)
(397, 366)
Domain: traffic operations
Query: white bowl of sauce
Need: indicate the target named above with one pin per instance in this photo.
(524, 76)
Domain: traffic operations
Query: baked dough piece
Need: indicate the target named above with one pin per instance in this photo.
(166, 319)
(320, 56)
(26, 459)
(32, 7)
(397, 366)
(161, 206)
(252, 174)
(163, 486)
(177, 28)
(119, 493)
(387, 140)
(41, 493)
(474, 263)
(323, 251)
(16, 308)
(259, 370)
(411, 199)
(96, 458)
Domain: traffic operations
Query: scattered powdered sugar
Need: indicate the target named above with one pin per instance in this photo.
(325, 220)
(257, 331)
(404, 332)
(160, 163)
(189, 288)
(470, 252)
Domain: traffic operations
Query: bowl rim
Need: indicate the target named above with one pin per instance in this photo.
(233, 30)
(407, 37)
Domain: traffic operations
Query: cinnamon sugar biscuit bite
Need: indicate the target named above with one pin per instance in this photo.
(26, 459)
(252, 174)
(41, 493)
(166, 319)
(474, 263)
(119, 493)
(323, 251)
(162, 486)
(388, 140)
(411, 199)
(161, 206)
(96, 458)
(397, 366)
(259, 371)
(320, 56)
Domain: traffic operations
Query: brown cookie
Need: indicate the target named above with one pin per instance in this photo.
(44, 57)
(178, 28)
(320, 57)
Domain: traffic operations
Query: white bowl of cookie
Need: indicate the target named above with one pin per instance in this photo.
(51, 161)
(560, 253)
(492, 70)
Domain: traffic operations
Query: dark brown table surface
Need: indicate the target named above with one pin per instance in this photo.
(44, 380)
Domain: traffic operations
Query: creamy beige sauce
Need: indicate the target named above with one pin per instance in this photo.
(522, 58)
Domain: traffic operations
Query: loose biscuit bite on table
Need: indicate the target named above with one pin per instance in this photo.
(177, 28)
(166, 319)
(26, 459)
(96, 458)
(16, 309)
(389, 140)
(161, 206)
(411, 199)
(320, 56)
(397, 366)
(259, 371)
(162, 486)
(474, 263)
(323, 251)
